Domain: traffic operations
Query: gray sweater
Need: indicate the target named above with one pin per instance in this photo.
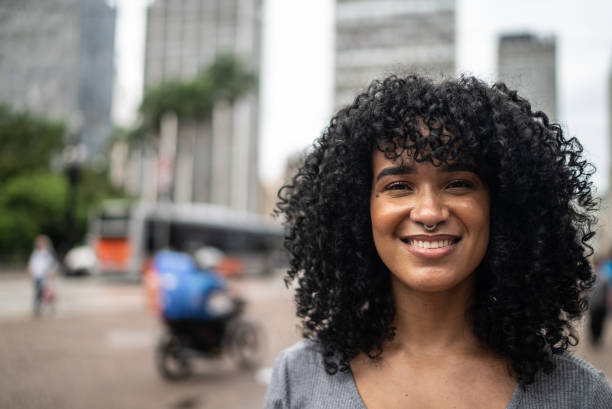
(299, 381)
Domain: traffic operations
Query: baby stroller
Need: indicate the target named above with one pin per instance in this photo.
(200, 318)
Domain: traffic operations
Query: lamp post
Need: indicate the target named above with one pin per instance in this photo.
(73, 159)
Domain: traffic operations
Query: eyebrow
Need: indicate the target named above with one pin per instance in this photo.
(409, 169)
(396, 170)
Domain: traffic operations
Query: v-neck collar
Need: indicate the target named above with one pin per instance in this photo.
(515, 399)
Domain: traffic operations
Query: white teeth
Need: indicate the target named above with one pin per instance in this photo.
(430, 244)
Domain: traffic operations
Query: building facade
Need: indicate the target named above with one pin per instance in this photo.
(528, 64)
(610, 126)
(603, 239)
(378, 37)
(211, 161)
(57, 60)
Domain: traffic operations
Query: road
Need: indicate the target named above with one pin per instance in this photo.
(97, 350)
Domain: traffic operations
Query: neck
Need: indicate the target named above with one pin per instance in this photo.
(432, 322)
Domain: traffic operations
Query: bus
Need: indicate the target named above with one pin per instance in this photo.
(125, 236)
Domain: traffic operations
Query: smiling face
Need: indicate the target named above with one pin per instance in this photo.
(407, 199)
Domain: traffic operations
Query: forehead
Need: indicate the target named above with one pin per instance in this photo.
(405, 164)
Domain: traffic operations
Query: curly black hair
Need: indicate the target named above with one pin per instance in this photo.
(530, 284)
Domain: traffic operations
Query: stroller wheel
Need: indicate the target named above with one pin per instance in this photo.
(171, 358)
(244, 342)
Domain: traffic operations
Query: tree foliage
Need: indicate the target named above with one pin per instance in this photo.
(226, 78)
(35, 202)
(33, 198)
(30, 203)
(27, 142)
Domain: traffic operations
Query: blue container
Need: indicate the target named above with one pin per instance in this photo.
(184, 289)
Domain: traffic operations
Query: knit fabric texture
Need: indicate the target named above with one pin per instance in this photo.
(299, 381)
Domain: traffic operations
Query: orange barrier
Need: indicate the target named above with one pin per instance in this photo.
(113, 254)
(229, 266)
(151, 287)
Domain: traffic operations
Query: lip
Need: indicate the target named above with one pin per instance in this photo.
(431, 253)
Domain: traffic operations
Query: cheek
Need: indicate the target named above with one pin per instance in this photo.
(385, 219)
(382, 216)
(374, 220)
(380, 225)
(477, 220)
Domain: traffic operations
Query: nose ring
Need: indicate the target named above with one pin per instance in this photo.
(430, 228)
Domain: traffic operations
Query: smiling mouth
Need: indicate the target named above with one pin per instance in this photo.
(430, 242)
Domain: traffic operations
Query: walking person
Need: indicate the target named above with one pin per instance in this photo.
(599, 302)
(41, 267)
(438, 237)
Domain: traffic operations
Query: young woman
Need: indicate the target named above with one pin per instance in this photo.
(438, 236)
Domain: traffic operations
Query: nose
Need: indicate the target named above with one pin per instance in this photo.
(429, 208)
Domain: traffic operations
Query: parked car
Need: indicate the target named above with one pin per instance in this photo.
(80, 260)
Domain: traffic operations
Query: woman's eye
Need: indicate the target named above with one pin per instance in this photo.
(398, 186)
(460, 183)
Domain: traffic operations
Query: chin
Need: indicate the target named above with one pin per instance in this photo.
(433, 281)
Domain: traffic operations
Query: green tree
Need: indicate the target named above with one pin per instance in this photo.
(33, 199)
(226, 78)
(27, 142)
(30, 203)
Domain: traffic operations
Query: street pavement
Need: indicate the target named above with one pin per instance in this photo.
(97, 350)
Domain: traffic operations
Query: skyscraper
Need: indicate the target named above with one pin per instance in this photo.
(603, 240)
(610, 127)
(377, 37)
(528, 63)
(215, 162)
(57, 60)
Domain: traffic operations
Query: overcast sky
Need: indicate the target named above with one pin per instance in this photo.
(297, 66)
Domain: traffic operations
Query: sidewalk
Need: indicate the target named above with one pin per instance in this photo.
(95, 357)
(12, 272)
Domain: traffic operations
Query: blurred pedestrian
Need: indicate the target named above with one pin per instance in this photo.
(599, 301)
(606, 273)
(437, 234)
(41, 267)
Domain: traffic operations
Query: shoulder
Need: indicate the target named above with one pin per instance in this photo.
(569, 362)
(293, 367)
(305, 353)
(299, 380)
(296, 367)
(574, 383)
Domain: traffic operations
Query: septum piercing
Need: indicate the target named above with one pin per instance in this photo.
(430, 228)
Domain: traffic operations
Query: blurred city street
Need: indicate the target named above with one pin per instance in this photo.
(97, 351)
(170, 126)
